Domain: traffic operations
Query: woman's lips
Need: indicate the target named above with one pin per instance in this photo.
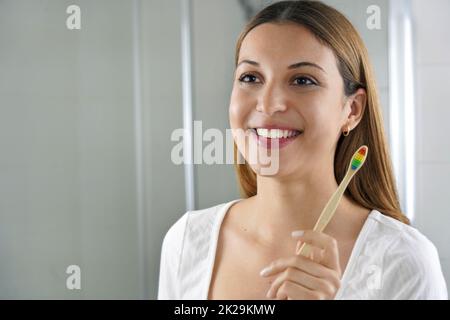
(270, 143)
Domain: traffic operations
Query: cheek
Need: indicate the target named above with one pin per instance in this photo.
(322, 119)
(239, 109)
(235, 116)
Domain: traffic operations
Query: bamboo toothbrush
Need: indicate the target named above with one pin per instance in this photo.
(358, 159)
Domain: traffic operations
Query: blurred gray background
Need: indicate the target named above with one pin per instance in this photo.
(86, 117)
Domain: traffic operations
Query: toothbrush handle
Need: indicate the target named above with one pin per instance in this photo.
(327, 213)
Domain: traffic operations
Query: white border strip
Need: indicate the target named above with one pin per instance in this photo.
(139, 147)
(402, 102)
(187, 103)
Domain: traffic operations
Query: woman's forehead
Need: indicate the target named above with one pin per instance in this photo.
(285, 44)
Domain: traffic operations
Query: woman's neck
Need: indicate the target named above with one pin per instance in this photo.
(282, 206)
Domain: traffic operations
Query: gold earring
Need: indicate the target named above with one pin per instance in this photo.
(346, 132)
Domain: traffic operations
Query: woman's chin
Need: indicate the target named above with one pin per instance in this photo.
(273, 170)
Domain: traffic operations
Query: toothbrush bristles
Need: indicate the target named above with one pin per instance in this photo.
(358, 158)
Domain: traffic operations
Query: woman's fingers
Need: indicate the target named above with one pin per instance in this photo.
(293, 291)
(307, 282)
(328, 244)
(315, 254)
(303, 263)
(314, 277)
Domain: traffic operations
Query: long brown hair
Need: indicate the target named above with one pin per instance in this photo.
(374, 185)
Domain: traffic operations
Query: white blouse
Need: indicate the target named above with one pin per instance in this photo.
(390, 260)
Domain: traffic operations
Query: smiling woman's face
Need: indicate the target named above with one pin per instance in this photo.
(287, 79)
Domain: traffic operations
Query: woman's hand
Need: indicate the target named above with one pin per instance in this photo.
(307, 278)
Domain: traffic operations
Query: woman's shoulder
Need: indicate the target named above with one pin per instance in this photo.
(402, 239)
(408, 259)
(187, 244)
(196, 225)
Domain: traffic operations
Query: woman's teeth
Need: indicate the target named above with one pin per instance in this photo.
(277, 133)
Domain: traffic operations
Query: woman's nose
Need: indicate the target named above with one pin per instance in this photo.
(272, 100)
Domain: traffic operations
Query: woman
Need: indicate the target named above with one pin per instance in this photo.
(305, 91)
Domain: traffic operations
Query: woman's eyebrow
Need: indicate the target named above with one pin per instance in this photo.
(305, 63)
(293, 66)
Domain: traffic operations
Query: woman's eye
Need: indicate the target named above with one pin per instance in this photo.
(301, 81)
(250, 78)
(304, 81)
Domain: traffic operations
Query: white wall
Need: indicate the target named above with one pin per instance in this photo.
(215, 27)
(68, 184)
(164, 192)
(432, 39)
(67, 190)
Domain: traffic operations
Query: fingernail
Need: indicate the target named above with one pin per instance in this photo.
(297, 233)
(265, 271)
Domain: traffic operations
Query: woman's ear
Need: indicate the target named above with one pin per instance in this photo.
(357, 103)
